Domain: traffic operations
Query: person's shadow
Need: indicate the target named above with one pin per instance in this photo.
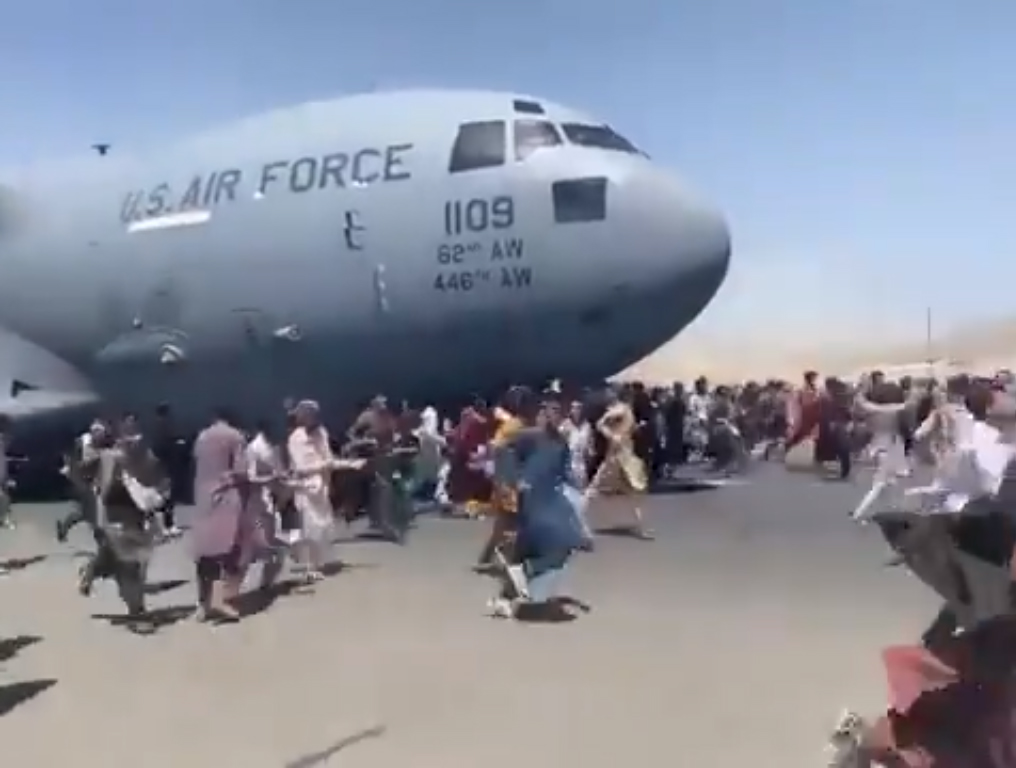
(15, 694)
(167, 585)
(151, 622)
(12, 646)
(620, 532)
(558, 610)
(321, 757)
(257, 601)
(18, 693)
(21, 563)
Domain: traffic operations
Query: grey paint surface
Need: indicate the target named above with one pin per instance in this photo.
(732, 640)
(95, 301)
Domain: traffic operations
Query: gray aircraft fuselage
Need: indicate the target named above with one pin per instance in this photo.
(420, 244)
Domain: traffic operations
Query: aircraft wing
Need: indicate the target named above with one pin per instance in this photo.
(36, 382)
(32, 404)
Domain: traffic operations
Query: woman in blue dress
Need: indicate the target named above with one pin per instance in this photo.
(551, 521)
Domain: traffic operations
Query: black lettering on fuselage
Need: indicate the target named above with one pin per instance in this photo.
(270, 172)
(332, 169)
(302, 174)
(192, 195)
(210, 189)
(201, 192)
(157, 203)
(362, 173)
(339, 170)
(225, 186)
(516, 277)
(395, 169)
(130, 209)
(511, 248)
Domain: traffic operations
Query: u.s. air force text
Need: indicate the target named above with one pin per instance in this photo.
(336, 170)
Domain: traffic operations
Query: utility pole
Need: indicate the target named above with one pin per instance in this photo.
(929, 351)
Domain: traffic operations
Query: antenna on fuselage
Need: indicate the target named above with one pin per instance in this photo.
(101, 149)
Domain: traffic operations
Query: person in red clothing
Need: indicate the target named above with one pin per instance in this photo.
(954, 707)
(803, 420)
(469, 486)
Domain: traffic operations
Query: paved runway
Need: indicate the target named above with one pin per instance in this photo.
(732, 640)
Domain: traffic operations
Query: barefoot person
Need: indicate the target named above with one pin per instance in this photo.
(622, 472)
(220, 489)
(312, 463)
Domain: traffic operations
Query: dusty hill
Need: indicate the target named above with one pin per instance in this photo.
(986, 345)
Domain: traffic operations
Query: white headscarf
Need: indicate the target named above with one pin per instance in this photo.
(429, 422)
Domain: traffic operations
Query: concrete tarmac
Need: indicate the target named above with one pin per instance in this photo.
(734, 639)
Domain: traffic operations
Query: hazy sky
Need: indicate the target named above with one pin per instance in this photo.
(862, 148)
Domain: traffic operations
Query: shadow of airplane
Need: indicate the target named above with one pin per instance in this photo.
(322, 757)
(16, 694)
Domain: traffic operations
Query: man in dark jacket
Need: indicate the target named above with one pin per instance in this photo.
(171, 450)
(675, 415)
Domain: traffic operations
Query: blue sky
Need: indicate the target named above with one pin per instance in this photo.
(862, 148)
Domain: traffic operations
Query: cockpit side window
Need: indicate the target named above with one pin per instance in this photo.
(599, 137)
(580, 200)
(479, 145)
(531, 135)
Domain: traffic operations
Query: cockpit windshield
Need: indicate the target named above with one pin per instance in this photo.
(531, 135)
(599, 137)
(479, 145)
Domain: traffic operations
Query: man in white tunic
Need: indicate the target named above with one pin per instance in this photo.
(312, 462)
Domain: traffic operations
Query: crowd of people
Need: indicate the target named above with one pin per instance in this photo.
(272, 497)
(268, 496)
(952, 694)
(532, 465)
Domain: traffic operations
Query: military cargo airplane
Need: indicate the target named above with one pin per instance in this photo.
(416, 243)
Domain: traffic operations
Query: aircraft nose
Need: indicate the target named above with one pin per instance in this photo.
(700, 237)
(692, 243)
